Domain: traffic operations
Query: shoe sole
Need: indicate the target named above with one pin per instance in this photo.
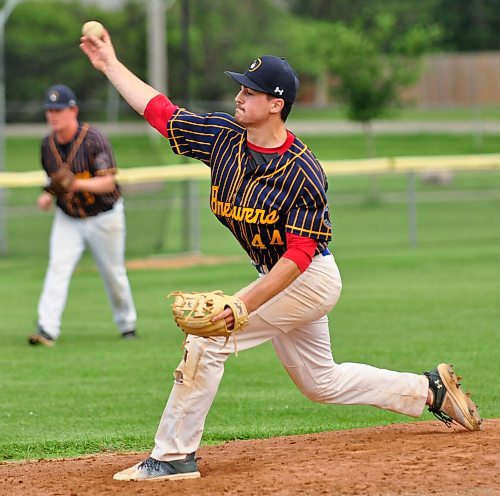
(464, 403)
(35, 339)
(120, 476)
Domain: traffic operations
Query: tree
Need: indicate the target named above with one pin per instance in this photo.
(42, 48)
(469, 24)
(42, 42)
(223, 36)
(373, 63)
(466, 24)
(407, 12)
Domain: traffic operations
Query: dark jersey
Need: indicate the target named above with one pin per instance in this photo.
(259, 203)
(92, 158)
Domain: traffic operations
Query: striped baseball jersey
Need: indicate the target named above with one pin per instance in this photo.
(88, 154)
(258, 201)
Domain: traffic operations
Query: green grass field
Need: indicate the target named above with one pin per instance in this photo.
(402, 308)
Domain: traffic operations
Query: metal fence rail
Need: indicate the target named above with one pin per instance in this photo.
(138, 175)
(410, 166)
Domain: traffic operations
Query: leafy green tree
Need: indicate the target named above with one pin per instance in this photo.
(374, 63)
(42, 48)
(469, 24)
(223, 36)
(42, 43)
(407, 12)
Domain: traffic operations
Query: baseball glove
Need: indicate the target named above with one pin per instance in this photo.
(193, 313)
(61, 181)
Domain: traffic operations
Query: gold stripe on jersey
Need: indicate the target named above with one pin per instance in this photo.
(191, 123)
(238, 170)
(84, 165)
(318, 193)
(219, 116)
(286, 178)
(200, 151)
(196, 142)
(177, 117)
(259, 205)
(264, 176)
(294, 200)
(319, 175)
(303, 230)
(199, 133)
(171, 134)
(230, 171)
(222, 148)
(105, 172)
(277, 171)
(311, 196)
(303, 221)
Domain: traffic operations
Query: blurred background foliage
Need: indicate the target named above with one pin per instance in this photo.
(370, 48)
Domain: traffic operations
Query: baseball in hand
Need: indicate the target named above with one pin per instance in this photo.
(93, 28)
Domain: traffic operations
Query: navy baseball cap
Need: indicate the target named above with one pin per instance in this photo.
(59, 96)
(272, 75)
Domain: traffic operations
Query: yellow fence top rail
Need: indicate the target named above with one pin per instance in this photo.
(136, 175)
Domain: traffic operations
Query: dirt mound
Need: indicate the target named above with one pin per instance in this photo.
(409, 459)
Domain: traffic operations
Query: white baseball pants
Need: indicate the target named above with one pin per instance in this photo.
(104, 235)
(296, 322)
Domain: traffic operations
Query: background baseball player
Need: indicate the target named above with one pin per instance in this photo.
(270, 191)
(89, 213)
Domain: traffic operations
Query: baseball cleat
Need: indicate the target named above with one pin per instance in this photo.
(156, 470)
(41, 337)
(450, 403)
(129, 334)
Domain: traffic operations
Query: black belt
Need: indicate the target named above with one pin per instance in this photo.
(262, 269)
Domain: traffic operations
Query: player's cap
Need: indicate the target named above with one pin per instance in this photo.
(59, 96)
(272, 75)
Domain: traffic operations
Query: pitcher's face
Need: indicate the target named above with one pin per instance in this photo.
(253, 107)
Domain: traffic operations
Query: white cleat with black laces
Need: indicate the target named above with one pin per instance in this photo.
(450, 403)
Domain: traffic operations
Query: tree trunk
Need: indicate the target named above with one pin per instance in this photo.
(371, 151)
(321, 89)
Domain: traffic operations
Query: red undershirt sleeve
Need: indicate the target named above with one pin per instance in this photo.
(158, 112)
(300, 250)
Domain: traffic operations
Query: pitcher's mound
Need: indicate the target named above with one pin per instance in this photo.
(423, 458)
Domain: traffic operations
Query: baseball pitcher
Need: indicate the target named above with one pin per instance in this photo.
(269, 190)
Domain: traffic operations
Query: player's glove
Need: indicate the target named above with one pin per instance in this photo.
(60, 182)
(193, 313)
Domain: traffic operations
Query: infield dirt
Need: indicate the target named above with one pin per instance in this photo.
(423, 458)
